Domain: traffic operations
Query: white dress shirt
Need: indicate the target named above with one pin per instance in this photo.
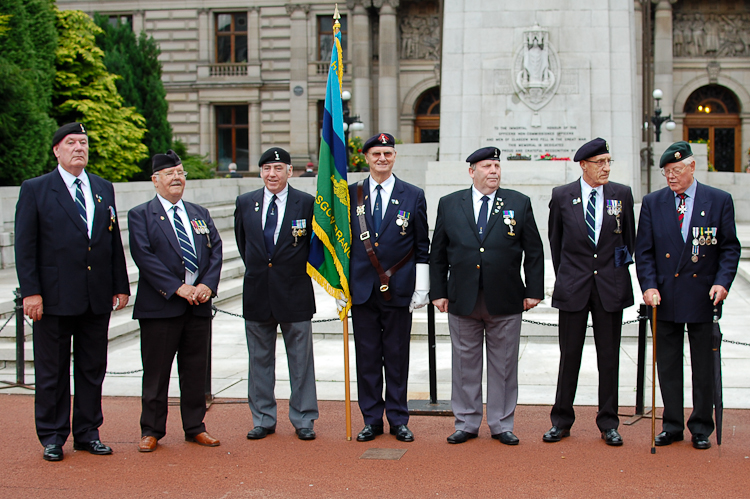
(70, 183)
(281, 198)
(190, 278)
(385, 194)
(476, 198)
(585, 193)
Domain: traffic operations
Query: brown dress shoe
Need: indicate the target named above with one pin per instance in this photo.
(147, 444)
(203, 439)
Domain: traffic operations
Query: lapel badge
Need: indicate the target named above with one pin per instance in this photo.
(257, 206)
(703, 213)
(98, 198)
(509, 220)
(162, 218)
(394, 201)
(299, 229)
(402, 220)
(576, 200)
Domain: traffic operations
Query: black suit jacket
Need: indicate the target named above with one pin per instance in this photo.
(279, 287)
(156, 251)
(54, 256)
(456, 248)
(578, 264)
(663, 259)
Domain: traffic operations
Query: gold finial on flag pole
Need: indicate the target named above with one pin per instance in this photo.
(336, 17)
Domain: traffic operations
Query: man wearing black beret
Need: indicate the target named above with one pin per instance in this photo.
(592, 237)
(71, 270)
(178, 253)
(687, 254)
(482, 236)
(388, 279)
(273, 227)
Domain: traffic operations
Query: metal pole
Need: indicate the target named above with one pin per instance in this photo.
(431, 352)
(209, 393)
(640, 379)
(20, 338)
(647, 84)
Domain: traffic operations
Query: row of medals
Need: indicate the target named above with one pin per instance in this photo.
(703, 236)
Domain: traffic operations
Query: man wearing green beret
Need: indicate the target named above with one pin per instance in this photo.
(686, 256)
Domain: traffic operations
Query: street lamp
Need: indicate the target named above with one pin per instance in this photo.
(657, 119)
(351, 122)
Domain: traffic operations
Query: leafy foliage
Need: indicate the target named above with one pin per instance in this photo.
(84, 91)
(197, 166)
(136, 61)
(27, 36)
(357, 161)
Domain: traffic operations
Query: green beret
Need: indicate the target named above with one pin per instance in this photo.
(675, 153)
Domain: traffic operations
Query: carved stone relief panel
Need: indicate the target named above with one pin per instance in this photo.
(419, 24)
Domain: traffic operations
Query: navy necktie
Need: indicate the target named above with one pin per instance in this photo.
(269, 230)
(591, 217)
(377, 212)
(482, 220)
(81, 202)
(188, 252)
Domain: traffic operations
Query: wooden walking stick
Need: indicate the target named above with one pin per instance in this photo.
(653, 378)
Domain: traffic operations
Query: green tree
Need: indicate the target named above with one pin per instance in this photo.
(84, 91)
(136, 60)
(27, 35)
(195, 165)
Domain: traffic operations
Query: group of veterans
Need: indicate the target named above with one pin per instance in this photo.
(485, 268)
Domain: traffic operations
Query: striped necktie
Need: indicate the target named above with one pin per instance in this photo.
(681, 208)
(591, 217)
(81, 202)
(188, 253)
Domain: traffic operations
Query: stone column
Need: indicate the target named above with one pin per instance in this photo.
(361, 62)
(254, 139)
(663, 60)
(138, 23)
(205, 126)
(298, 83)
(253, 35)
(313, 140)
(388, 79)
(204, 33)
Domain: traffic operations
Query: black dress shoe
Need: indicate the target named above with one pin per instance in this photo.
(305, 433)
(259, 432)
(460, 437)
(53, 452)
(612, 437)
(403, 433)
(666, 438)
(94, 447)
(506, 437)
(556, 434)
(700, 441)
(369, 432)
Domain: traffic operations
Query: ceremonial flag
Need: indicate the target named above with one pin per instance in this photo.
(328, 262)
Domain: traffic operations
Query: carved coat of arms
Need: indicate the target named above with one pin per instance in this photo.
(536, 69)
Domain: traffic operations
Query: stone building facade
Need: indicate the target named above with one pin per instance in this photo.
(242, 76)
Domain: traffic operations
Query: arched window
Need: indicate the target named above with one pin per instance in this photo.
(427, 111)
(712, 116)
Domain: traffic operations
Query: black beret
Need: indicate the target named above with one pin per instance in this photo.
(379, 140)
(590, 149)
(275, 155)
(676, 152)
(66, 130)
(483, 153)
(162, 161)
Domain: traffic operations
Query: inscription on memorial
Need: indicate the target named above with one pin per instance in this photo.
(560, 141)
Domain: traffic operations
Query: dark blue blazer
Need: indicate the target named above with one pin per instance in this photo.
(54, 256)
(577, 263)
(663, 259)
(156, 251)
(279, 287)
(459, 257)
(390, 246)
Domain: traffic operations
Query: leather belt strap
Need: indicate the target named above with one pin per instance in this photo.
(364, 236)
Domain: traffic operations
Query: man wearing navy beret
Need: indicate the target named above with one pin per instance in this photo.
(71, 270)
(388, 278)
(592, 237)
(179, 255)
(687, 254)
(482, 236)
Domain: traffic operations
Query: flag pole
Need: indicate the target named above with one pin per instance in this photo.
(347, 395)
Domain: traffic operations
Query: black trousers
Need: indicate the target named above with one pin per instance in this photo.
(670, 342)
(186, 336)
(382, 334)
(572, 335)
(53, 335)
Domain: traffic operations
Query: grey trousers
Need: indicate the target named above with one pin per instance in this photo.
(503, 334)
(261, 349)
